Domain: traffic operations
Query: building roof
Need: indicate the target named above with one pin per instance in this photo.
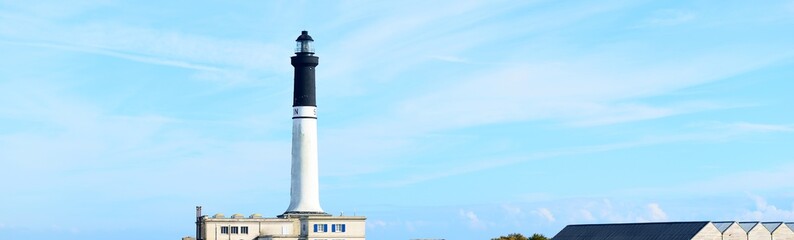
(747, 226)
(772, 226)
(722, 226)
(632, 231)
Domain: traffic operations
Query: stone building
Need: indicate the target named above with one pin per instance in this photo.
(731, 230)
(704, 230)
(780, 231)
(255, 227)
(756, 231)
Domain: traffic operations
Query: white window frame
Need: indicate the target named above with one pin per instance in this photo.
(321, 227)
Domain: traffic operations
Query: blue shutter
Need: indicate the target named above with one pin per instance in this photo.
(333, 227)
(343, 228)
(315, 227)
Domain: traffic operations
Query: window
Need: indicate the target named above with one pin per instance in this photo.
(234, 230)
(338, 228)
(320, 227)
(244, 230)
(224, 230)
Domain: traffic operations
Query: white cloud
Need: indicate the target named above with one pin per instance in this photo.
(514, 214)
(413, 226)
(774, 178)
(471, 219)
(656, 212)
(607, 210)
(767, 212)
(545, 214)
(512, 210)
(586, 215)
(544, 91)
(583, 91)
(373, 224)
(59, 228)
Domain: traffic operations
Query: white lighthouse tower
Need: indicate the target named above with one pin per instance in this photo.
(305, 186)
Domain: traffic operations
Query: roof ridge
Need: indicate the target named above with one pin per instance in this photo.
(638, 223)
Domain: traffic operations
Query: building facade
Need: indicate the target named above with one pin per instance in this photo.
(255, 227)
(756, 231)
(731, 231)
(780, 231)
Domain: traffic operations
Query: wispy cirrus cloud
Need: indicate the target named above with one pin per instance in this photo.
(668, 17)
(545, 213)
(753, 127)
(49, 131)
(117, 54)
(771, 179)
(584, 92)
(214, 57)
(704, 133)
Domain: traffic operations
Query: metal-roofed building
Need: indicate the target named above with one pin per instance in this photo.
(772, 226)
(721, 230)
(731, 230)
(642, 231)
(780, 231)
(756, 231)
(722, 226)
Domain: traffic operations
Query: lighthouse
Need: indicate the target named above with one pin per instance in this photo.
(304, 218)
(305, 184)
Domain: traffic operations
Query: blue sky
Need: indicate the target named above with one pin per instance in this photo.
(446, 119)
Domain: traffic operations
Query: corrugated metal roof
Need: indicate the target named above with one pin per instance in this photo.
(631, 231)
(747, 226)
(722, 226)
(771, 226)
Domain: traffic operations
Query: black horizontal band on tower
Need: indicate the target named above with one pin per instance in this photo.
(304, 91)
(304, 117)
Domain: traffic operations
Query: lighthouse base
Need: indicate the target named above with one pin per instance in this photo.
(293, 214)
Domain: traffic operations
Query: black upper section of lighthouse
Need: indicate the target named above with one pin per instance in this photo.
(304, 62)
